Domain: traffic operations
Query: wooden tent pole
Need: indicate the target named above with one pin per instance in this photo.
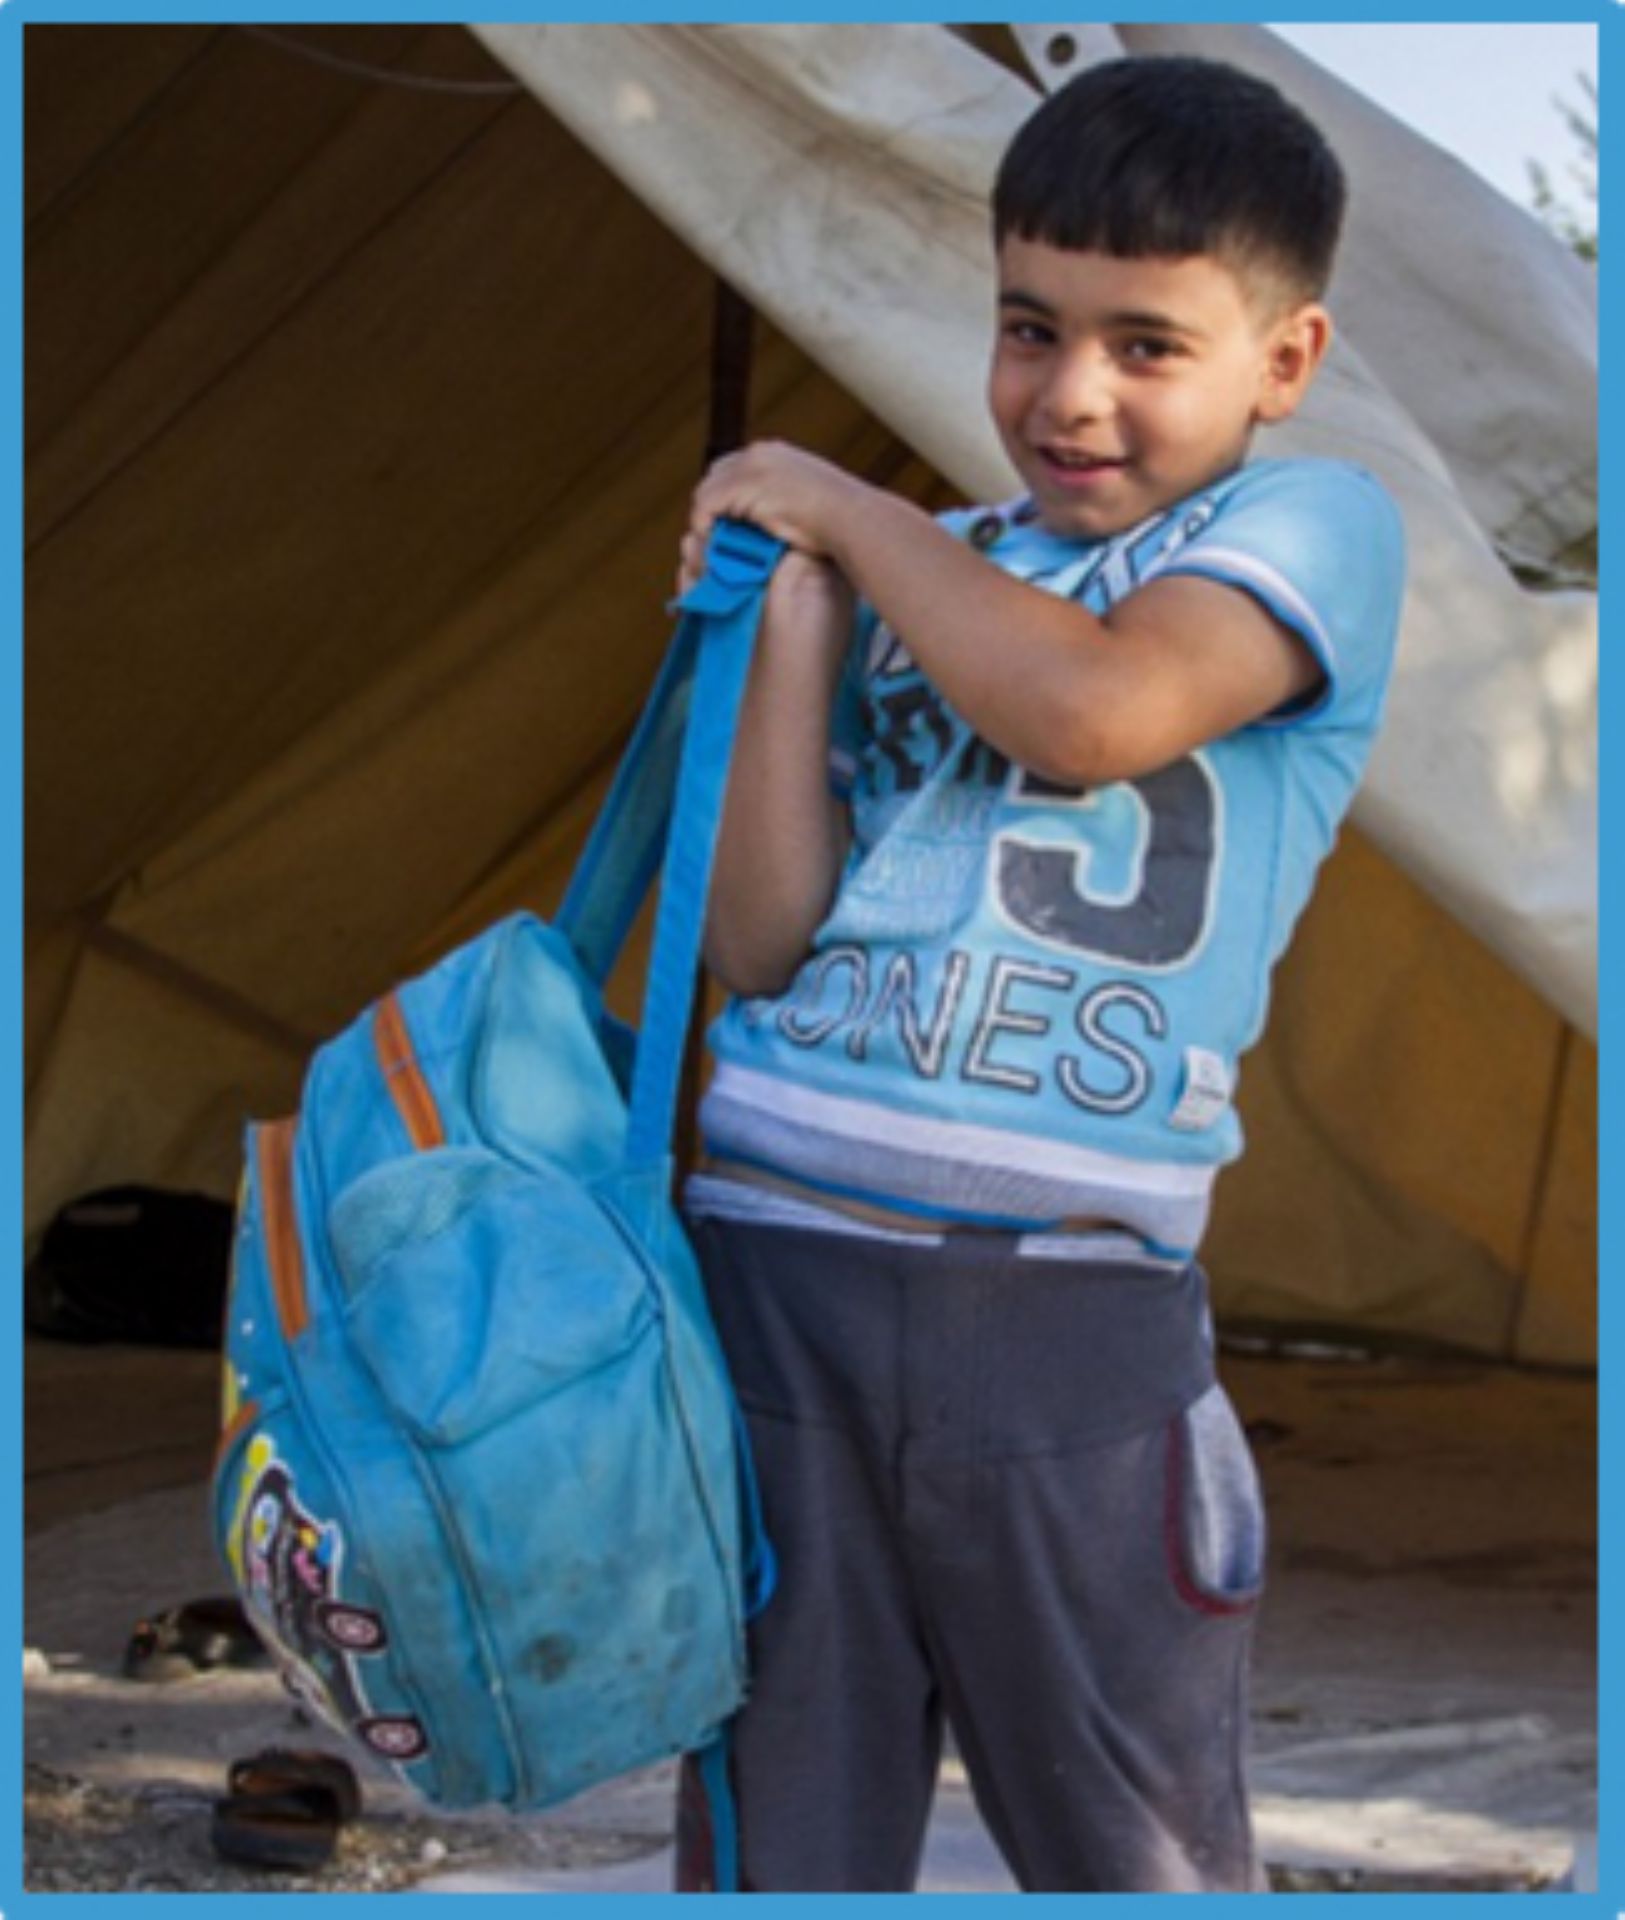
(1539, 1191)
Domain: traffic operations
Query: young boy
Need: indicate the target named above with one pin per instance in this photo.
(977, 1080)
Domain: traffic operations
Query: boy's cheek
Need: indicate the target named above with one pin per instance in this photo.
(1006, 395)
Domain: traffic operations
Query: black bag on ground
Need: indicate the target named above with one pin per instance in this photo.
(132, 1263)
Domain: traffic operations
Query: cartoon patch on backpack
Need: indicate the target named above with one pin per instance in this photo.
(286, 1563)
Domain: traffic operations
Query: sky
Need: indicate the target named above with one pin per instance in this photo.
(1485, 92)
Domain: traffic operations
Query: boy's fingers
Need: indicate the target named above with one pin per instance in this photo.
(691, 551)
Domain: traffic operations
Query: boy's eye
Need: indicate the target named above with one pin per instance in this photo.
(1028, 333)
(1150, 347)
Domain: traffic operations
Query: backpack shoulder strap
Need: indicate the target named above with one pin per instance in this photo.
(666, 804)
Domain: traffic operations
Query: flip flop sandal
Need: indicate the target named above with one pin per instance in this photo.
(292, 1832)
(192, 1639)
(283, 1770)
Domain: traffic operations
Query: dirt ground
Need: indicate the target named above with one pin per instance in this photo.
(79, 1838)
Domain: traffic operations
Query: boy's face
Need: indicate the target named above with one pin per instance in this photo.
(1119, 385)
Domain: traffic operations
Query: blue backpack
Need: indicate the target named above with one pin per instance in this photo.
(483, 1485)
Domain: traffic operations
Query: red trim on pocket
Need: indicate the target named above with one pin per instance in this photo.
(1173, 1534)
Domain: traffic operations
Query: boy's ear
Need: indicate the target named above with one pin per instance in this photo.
(1293, 352)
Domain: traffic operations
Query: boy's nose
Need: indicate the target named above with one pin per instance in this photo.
(1079, 389)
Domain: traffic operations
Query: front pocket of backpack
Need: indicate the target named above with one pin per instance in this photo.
(476, 1287)
(514, 1332)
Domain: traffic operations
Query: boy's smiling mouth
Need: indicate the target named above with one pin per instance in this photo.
(1073, 466)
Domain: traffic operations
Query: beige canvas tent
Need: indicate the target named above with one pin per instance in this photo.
(366, 377)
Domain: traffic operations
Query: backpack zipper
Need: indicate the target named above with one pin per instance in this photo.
(273, 1147)
(398, 1062)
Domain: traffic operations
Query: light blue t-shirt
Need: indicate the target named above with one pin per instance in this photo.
(1027, 1002)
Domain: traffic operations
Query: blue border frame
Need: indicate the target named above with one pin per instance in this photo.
(14, 15)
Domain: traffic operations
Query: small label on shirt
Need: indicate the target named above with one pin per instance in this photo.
(1207, 1092)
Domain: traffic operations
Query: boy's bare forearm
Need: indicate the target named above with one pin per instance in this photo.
(1078, 698)
(784, 834)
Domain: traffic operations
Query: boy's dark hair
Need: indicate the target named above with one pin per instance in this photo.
(1172, 156)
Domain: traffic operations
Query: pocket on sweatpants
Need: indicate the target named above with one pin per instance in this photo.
(1214, 1529)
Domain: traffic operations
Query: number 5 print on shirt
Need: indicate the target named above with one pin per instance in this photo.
(1167, 840)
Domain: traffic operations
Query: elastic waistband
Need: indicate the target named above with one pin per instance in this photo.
(719, 1196)
(940, 1170)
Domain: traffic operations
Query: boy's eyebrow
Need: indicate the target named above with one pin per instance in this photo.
(1146, 319)
(1015, 297)
(1155, 323)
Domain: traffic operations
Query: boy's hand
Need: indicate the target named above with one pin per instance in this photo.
(791, 494)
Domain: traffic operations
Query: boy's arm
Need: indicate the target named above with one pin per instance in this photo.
(784, 835)
(1074, 697)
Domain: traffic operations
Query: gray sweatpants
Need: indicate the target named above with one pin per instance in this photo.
(1005, 1492)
